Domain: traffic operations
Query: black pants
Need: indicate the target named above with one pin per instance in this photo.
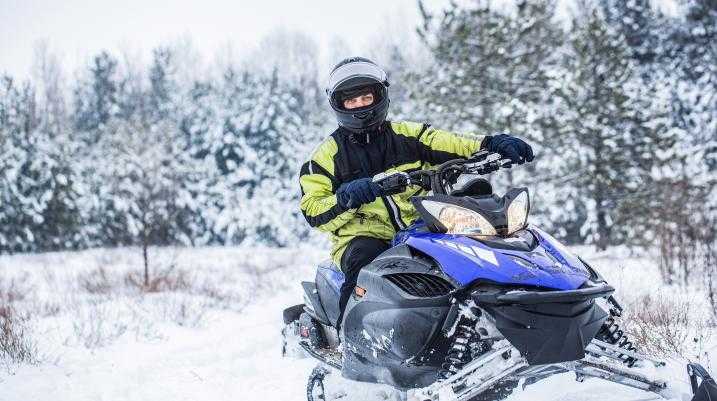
(359, 252)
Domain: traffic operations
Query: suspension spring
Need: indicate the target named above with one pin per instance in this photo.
(613, 334)
(459, 353)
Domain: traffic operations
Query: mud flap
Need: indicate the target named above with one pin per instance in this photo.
(704, 387)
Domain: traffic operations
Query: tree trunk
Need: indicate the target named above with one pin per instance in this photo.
(603, 230)
(145, 245)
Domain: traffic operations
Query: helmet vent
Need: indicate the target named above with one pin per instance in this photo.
(420, 284)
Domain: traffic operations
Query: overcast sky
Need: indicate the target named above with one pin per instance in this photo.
(78, 29)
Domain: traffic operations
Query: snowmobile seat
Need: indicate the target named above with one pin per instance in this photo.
(329, 264)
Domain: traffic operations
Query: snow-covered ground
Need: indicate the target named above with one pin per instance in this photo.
(211, 329)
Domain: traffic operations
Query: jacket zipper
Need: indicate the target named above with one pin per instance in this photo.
(394, 212)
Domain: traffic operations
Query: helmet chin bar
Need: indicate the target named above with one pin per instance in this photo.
(362, 115)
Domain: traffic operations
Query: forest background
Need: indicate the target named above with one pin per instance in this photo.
(619, 101)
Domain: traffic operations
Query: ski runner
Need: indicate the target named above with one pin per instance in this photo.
(338, 195)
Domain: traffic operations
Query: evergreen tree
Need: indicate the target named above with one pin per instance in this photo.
(36, 179)
(261, 142)
(164, 89)
(491, 66)
(692, 59)
(685, 212)
(639, 24)
(201, 126)
(611, 130)
(494, 71)
(96, 99)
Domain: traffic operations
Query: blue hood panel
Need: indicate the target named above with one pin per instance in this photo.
(549, 265)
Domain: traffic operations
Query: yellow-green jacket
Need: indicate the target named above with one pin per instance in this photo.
(398, 146)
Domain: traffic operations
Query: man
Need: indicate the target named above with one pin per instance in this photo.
(338, 196)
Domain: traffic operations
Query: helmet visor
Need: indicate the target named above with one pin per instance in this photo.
(355, 74)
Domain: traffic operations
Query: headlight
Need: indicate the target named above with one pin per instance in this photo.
(517, 213)
(459, 220)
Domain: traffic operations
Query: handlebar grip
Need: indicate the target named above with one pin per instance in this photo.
(393, 183)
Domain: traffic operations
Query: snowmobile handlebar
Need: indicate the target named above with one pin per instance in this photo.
(442, 178)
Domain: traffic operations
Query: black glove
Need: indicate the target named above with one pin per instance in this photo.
(357, 192)
(515, 149)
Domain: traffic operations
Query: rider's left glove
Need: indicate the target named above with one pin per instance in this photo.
(357, 192)
(510, 147)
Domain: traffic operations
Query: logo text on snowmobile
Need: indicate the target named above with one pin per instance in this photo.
(480, 253)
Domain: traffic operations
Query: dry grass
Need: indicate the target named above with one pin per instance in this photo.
(168, 279)
(96, 324)
(181, 310)
(93, 304)
(665, 326)
(96, 281)
(15, 289)
(16, 345)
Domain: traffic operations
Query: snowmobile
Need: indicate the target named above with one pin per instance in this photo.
(470, 302)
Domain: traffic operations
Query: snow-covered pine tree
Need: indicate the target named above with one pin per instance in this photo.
(270, 124)
(201, 126)
(494, 71)
(96, 114)
(491, 65)
(610, 133)
(692, 57)
(62, 224)
(96, 97)
(15, 232)
(686, 210)
(36, 189)
(257, 154)
(144, 183)
(193, 176)
(639, 23)
(164, 89)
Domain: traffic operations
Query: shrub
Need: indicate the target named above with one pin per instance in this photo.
(15, 344)
(170, 279)
(664, 326)
(96, 281)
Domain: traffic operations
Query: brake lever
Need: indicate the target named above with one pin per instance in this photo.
(479, 156)
(487, 164)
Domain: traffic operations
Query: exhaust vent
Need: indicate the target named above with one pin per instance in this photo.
(420, 284)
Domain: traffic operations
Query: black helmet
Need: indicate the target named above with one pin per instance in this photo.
(353, 77)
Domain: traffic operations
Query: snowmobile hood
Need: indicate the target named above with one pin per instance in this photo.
(465, 260)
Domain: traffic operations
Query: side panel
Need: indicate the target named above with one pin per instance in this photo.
(386, 329)
(328, 284)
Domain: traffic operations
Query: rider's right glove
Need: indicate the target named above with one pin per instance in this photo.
(357, 192)
(508, 146)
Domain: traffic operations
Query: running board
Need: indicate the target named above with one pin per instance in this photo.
(327, 357)
(594, 367)
(603, 348)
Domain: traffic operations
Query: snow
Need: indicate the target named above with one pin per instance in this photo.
(233, 351)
